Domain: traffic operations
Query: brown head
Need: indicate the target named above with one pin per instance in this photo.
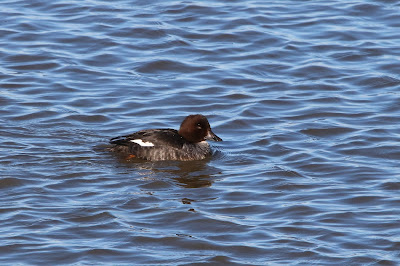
(195, 128)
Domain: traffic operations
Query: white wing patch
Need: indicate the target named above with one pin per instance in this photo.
(143, 143)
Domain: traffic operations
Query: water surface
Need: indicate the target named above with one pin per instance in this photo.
(305, 96)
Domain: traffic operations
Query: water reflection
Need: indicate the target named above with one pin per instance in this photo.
(192, 174)
(195, 174)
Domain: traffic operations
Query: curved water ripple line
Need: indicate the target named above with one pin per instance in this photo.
(304, 96)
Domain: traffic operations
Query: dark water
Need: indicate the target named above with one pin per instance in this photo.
(305, 94)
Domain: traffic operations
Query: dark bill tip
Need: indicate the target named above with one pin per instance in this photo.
(212, 136)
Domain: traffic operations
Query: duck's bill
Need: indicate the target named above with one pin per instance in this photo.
(212, 136)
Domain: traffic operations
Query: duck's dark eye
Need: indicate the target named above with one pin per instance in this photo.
(199, 125)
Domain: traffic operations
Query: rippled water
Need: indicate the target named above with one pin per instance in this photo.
(305, 95)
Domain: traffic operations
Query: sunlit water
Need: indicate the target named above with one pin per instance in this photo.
(305, 95)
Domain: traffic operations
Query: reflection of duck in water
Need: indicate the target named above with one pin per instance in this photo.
(195, 174)
(187, 144)
(187, 174)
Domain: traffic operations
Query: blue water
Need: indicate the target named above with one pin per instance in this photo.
(305, 95)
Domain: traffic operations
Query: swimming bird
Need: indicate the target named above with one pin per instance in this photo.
(186, 144)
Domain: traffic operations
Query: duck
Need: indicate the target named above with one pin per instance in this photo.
(189, 143)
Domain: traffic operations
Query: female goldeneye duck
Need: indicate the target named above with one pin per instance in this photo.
(189, 143)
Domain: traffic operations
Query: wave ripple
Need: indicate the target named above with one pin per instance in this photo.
(305, 96)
